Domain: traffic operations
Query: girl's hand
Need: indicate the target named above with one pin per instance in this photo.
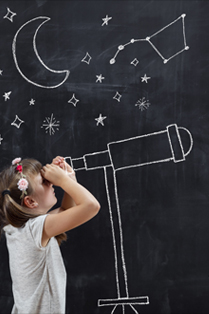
(54, 174)
(60, 161)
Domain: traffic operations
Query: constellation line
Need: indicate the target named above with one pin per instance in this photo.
(165, 60)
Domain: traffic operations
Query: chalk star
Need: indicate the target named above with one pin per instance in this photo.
(17, 122)
(100, 120)
(6, 95)
(32, 102)
(117, 96)
(1, 71)
(106, 20)
(87, 58)
(9, 15)
(135, 62)
(145, 78)
(1, 139)
(99, 78)
(73, 100)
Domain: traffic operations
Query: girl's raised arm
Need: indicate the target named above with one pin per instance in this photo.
(86, 205)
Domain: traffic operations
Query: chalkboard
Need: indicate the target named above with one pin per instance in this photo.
(120, 89)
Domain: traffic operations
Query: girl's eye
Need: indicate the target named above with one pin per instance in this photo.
(46, 182)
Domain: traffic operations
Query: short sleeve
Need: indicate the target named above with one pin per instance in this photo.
(36, 228)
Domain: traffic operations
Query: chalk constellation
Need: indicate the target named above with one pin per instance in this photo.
(148, 39)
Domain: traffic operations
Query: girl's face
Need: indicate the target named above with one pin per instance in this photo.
(43, 193)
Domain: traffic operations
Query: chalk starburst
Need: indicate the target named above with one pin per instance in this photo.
(143, 104)
(50, 124)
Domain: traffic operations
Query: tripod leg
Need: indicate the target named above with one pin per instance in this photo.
(124, 309)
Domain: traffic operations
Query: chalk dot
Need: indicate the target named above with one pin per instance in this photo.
(187, 48)
(132, 41)
(121, 47)
(147, 38)
(112, 61)
(165, 61)
(183, 15)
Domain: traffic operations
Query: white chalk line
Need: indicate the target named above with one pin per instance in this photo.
(113, 234)
(121, 301)
(132, 41)
(46, 19)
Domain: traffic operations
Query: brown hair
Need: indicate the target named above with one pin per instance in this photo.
(11, 209)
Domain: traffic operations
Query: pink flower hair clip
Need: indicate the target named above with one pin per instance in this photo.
(22, 186)
(23, 182)
(16, 161)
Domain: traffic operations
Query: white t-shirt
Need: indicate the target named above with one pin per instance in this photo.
(38, 273)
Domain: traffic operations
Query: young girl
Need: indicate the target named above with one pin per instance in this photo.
(32, 233)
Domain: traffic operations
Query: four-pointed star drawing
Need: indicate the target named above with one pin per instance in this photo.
(9, 15)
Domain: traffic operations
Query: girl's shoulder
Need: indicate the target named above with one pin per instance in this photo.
(31, 231)
(9, 229)
(31, 223)
(37, 221)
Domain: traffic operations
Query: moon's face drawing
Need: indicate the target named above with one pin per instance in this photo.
(27, 60)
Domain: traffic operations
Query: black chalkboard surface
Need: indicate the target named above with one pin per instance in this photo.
(119, 88)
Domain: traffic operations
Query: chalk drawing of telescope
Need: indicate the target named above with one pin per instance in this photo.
(172, 144)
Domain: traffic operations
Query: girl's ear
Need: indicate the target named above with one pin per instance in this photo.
(30, 202)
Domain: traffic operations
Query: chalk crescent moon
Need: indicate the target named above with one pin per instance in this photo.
(67, 72)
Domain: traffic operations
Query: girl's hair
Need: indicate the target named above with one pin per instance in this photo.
(11, 209)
